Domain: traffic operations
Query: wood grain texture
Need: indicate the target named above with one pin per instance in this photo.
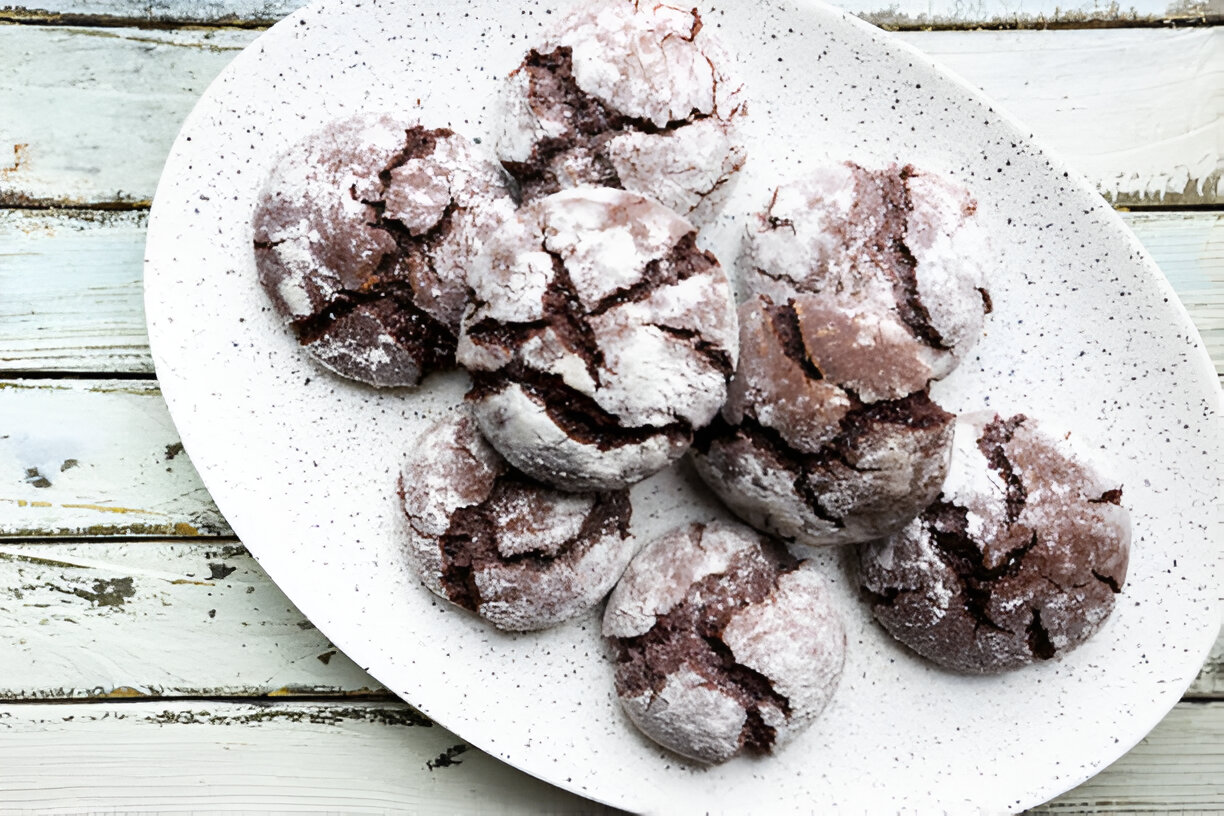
(73, 299)
(162, 757)
(1144, 131)
(228, 758)
(1177, 768)
(102, 459)
(73, 302)
(903, 14)
(157, 619)
(101, 106)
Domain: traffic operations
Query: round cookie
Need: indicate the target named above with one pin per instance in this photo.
(821, 441)
(519, 554)
(599, 338)
(629, 95)
(1017, 561)
(724, 642)
(899, 244)
(362, 235)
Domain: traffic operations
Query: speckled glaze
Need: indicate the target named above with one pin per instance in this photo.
(304, 465)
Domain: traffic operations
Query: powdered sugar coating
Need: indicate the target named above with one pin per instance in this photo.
(1017, 561)
(725, 642)
(799, 451)
(362, 237)
(519, 554)
(897, 246)
(599, 338)
(629, 95)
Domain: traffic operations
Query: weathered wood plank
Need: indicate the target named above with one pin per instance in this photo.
(102, 459)
(378, 758)
(100, 107)
(1177, 768)
(1210, 681)
(156, 619)
(77, 620)
(905, 14)
(73, 299)
(73, 302)
(1189, 248)
(214, 757)
(1144, 131)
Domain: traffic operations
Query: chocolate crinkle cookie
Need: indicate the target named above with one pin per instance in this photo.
(363, 233)
(820, 442)
(1017, 561)
(629, 95)
(901, 245)
(724, 642)
(521, 555)
(599, 338)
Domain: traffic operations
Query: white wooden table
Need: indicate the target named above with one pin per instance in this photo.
(147, 664)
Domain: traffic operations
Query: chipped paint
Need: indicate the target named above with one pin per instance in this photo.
(104, 508)
(20, 156)
(123, 693)
(111, 592)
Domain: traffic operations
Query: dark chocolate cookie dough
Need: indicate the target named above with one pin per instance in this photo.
(363, 234)
(1018, 560)
(724, 642)
(521, 555)
(629, 95)
(599, 338)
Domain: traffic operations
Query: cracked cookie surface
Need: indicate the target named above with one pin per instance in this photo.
(725, 643)
(629, 95)
(899, 245)
(362, 237)
(519, 554)
(810, 446)
(1019, 559)
(599, 338)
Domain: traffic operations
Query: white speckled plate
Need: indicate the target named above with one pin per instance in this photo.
(303, 464)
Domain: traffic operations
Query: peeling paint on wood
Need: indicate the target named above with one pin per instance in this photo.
(374, 758)
(208, 757)
(118, 433)
(79, 620)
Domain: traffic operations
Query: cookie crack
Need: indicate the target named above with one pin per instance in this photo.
(946, 524)
(582, 418)
(992, 443)
(1039, 642)
(1108, 580)
(904, 268)
(715, 355)
(785, 323)
(683, 261)
(471, 540)
(593, 123)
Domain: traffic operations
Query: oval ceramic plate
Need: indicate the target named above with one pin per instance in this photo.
(303, 464)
